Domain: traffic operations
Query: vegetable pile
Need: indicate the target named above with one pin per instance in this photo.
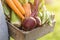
(26, 14)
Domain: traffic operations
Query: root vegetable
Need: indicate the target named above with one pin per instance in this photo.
(30, 23)
(38, 20)
(19, 6)
(14, 8)
(27, 8)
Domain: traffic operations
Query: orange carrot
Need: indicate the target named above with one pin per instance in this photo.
(27, 8)
(13, 7)
(19, 6)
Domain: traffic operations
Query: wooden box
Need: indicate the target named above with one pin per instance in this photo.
(18, 34)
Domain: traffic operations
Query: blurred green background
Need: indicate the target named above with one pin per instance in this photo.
(54, 6)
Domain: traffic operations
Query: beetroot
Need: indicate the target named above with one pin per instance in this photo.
(29, 23)
(38, 20)
(33, 20)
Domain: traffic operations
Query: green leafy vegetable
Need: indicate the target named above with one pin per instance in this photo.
(15, 20)
(31, 1)
(44, 14)
(6, 10)
(23, 1)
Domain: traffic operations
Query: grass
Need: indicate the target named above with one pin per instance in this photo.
(55, 35)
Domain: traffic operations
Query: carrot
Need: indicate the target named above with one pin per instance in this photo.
(13, 7)
(27, 8)
(19, 6)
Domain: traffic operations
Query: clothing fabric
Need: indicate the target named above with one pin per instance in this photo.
(3, 25)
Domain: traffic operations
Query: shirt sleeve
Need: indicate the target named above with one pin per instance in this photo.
(3, 25)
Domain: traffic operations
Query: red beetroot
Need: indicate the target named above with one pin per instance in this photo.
(31, 22)
(38, 20)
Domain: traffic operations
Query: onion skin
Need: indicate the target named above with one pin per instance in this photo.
(29, 23)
